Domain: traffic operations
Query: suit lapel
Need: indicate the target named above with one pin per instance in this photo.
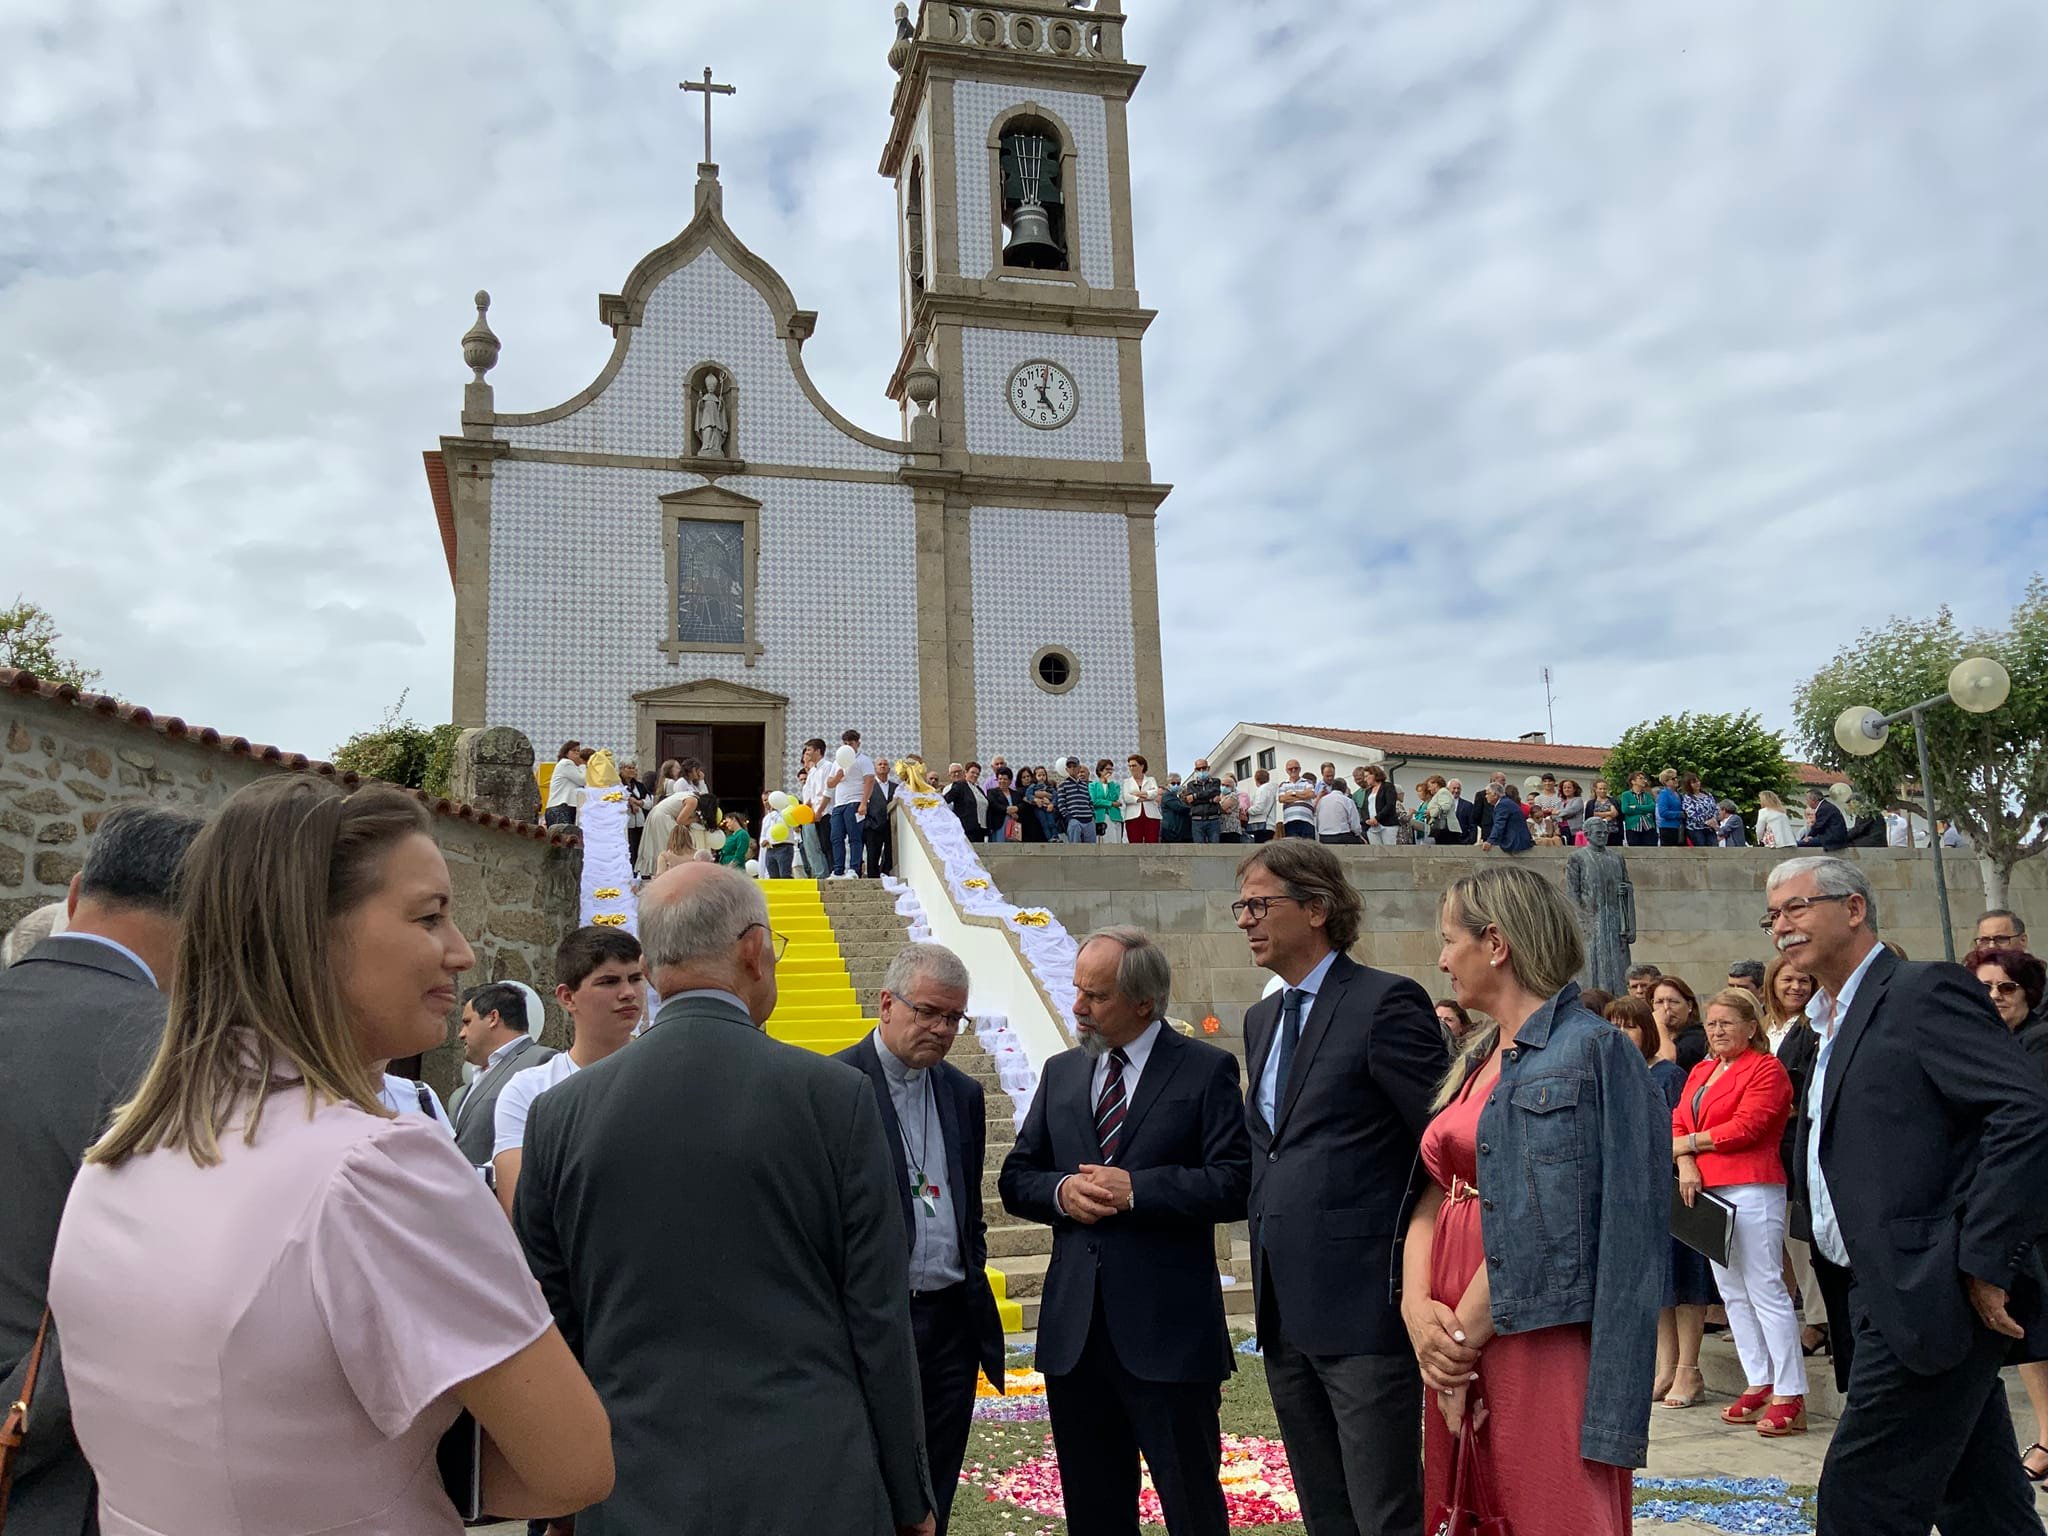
(1159, 1068)
(949, 1133)
(865, 1057)
(1324, 1009)
(1259, 1022)
(485, 1077)
(1849, 1034)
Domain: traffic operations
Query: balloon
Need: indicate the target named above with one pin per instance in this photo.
(802, 815)
(778, 801)
(715, 841)
(754, 868)
(780, 834)
(770, 822)
(846, 757)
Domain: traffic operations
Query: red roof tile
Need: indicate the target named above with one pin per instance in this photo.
(444, 506)
(14, 680)
(1537, 754)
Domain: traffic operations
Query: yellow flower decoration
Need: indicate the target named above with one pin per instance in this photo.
(610, 920)
(925, 802)
(605, 892)
(975, 885)
(617, 794)
(1032, 919)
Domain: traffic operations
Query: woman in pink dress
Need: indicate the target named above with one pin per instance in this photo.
(1534, 1262)
(275, 1296)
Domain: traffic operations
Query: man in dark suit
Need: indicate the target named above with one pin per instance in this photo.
(80, 1019)
(495, 1041)
(1921, 1173)
(934, 1118)
(1343, 1063)
(1468, 814)
(715, 1220)
(1825, 827)
(1133, 1151)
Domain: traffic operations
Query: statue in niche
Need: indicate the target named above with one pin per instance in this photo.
(712, 423)
(1597, 884)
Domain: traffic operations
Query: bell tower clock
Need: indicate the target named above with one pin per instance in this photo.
(1021, 377)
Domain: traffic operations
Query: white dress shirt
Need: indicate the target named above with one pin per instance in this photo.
(1827, 1014)
(1269, 1079)
(116, 946)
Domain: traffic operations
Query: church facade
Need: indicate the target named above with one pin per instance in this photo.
(768, 571)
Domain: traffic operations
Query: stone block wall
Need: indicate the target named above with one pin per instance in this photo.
(66, 760)
(1696, 909)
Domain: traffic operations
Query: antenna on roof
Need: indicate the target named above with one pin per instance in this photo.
(1549, 705)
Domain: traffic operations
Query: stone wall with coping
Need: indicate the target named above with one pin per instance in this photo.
(1696, 909)
(66, 762)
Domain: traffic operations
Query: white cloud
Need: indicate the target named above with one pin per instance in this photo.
(1668, 347)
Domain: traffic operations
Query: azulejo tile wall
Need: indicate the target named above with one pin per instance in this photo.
(1019, 608)
(705, 312)
(579, 601)
(1097, 428)
(975, 107)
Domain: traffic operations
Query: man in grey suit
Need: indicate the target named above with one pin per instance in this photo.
(714, 1218)
(495, 1042)
(80, 1019)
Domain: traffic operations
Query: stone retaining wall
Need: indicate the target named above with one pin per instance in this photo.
(65, 761)
(1696, 909)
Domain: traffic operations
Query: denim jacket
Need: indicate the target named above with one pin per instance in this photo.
(1575, 1208)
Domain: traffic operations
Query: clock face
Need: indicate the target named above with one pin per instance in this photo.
(1043, 395)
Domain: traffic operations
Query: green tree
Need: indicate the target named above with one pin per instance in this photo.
(401, 751)
(28, 640)
(1989, 772)
(1735, 757)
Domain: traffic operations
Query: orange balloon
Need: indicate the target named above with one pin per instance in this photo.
(800, 815)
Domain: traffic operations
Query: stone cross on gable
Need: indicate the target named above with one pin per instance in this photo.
(708, 90)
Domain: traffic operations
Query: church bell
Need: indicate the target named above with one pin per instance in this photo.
(1031, 243)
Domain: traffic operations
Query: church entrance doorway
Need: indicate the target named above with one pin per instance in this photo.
(733, 755)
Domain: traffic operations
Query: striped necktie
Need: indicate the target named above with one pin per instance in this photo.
(1109, 1109)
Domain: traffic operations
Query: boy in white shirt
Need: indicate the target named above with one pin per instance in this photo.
(602, 986)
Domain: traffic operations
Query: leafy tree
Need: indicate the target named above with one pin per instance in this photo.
(1990, 772)
(28, 640)
(401, 751)
(1735, 757)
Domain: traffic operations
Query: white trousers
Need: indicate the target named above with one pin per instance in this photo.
(1386, 837)
(1753, 1290)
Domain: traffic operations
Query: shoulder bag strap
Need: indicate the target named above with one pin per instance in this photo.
(14, 1428)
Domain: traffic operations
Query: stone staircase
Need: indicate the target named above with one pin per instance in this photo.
(870, 934)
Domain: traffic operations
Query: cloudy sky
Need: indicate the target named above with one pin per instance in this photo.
(1664, 345)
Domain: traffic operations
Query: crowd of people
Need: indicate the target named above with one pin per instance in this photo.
(680, 1276)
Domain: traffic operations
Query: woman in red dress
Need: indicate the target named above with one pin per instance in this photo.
(1535, 1261)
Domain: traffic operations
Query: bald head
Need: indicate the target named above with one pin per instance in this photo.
(705, 927)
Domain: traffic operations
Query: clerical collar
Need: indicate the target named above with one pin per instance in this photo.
(895, 1067)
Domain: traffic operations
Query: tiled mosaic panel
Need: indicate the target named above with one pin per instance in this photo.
(1096, 430)
(1044, 578)
(705, 312)
(975, 106)
(579, 601)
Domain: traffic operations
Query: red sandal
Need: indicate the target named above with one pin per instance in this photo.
(1746, 1408)
(1786, 1418)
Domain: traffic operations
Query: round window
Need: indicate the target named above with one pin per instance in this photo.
(1054, 669)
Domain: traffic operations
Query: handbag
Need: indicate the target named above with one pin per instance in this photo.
(1473, 1508)
(14, 1428)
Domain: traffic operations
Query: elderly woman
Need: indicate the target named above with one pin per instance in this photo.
(1531, 1273)
(2017, 982)
(1728, 831)
(1725, 1137)
(1670, 811)
(967, 801)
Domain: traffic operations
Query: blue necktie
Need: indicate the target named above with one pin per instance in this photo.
(1290, 1036)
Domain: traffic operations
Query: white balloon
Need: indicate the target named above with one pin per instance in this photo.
(716, 842)
(846, 757)
(778, 801)
(754, 868)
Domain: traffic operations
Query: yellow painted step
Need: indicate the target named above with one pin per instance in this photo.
(816, 1007)
(1011, 1312)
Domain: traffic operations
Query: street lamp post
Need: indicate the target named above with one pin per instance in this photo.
(1977, 685)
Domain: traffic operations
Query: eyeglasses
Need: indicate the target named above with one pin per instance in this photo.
(776, 941)
(1999, 940)
(1258, 906)
(1794, 907)
(2002, 988)
(935, 1018)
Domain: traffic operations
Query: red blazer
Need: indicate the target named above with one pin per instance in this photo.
(1745, 1112)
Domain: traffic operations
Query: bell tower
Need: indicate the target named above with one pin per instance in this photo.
(1021, 380)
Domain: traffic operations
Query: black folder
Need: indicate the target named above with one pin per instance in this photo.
(461, 1458)
(1705, 1226)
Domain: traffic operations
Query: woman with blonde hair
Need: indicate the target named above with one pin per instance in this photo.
(1773, 822)
(1532, 1273)
(1725, 1137)
(275, 1295)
